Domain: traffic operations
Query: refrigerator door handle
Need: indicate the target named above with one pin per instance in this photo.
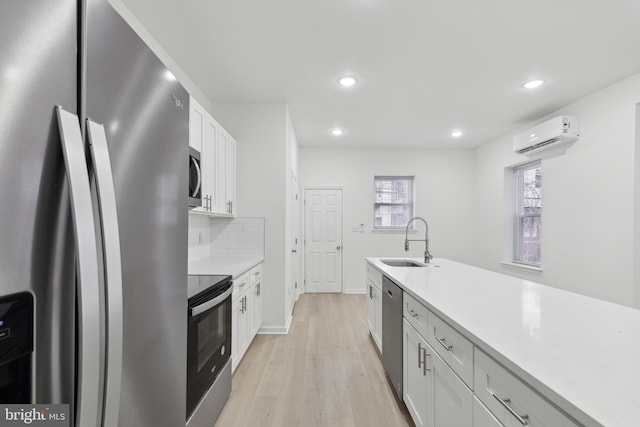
(87, 279)
(112, 270)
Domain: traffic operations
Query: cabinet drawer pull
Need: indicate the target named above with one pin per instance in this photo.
(443, 342)
(522, 419)
(413, 313)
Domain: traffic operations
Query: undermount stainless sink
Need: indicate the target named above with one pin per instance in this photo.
(401, 263)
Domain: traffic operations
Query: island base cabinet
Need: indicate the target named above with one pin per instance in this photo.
(482, 417)
(374, 313)
(511, 400)
(453, 401)
(417, 387)
(433, 393)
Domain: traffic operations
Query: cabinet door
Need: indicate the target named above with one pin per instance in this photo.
(197, 116)
(371, 308)
(377, 300)
(243, 326)
(482, 417)
(452, 400)
(221, 172)
(417, 381)
(197, 120)
(257, 307)
(251, 304)
(230, 169)
(236, 305)
(208, 159)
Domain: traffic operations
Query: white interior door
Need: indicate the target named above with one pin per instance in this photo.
(323, 240)
(295, 240)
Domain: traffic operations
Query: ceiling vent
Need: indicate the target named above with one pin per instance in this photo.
(553, 134)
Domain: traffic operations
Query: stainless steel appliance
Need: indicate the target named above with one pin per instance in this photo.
(195, 178)
(208, 348)
(16, 347)
(392, 333)
(93, 219)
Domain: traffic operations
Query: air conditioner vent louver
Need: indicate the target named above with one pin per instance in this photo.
(550, 135)
(539, 145)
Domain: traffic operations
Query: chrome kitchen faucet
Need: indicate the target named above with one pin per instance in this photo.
(427, 255)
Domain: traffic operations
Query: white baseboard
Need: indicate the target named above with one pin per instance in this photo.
(276, 330)
(354, 291)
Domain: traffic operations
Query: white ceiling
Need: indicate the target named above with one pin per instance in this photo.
(424, 67)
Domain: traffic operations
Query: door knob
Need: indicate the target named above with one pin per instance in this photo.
(293, 251)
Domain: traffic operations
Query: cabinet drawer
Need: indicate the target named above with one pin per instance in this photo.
(374, 275)
(512, 401)
(415, 313)
(256, 274)
(455, 349)
(482, 417)
(241, 284)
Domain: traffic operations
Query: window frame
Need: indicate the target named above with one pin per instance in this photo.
(519, 214)
(411, 204)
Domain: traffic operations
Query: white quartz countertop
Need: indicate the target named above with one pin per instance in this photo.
(232, 265)
(580, 352)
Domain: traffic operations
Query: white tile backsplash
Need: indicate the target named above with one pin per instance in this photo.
(218, 237)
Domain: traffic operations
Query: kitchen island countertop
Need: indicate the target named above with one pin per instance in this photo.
(581, 353)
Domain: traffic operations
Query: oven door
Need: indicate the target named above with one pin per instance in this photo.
(195, 178)
(208, 342)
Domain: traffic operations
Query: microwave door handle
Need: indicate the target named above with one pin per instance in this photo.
(112, 270)
(211, 303)
(87, 279)
(197, 166)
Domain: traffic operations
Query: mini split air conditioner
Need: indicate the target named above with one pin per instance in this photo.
(554, 134)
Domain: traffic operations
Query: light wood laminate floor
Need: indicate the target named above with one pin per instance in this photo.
(324, 373)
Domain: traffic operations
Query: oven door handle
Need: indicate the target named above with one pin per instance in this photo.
(211, 303)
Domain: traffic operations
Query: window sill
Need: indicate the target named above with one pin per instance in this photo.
(522, 267)
(393, 230)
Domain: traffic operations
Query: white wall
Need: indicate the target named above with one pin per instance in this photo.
(261, 191)
(161, 53)
(292, 169)
(445, 198)
(636, 253)
(588, 200)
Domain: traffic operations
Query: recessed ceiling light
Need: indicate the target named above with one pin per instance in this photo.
(347, 81)
(533, 84)
(337, 132)
(456, 133)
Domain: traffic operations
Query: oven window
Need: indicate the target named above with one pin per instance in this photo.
(211, 335)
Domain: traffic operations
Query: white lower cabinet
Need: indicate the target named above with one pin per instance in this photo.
(512, 401)
(482, 417)
(246, 313)
(374, 313)
(433, 393)
(374, 305)
(417, 383)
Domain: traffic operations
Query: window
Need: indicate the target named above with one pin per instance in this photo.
(528, 214)
(393, 204)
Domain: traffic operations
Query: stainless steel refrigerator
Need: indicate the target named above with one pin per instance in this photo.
(93, 211)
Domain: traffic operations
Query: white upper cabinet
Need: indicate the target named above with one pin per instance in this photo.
(226, 173)
(217, 161)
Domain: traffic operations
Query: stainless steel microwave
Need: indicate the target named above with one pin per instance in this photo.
(195, 179)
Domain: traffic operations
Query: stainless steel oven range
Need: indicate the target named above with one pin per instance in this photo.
(208, 348)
